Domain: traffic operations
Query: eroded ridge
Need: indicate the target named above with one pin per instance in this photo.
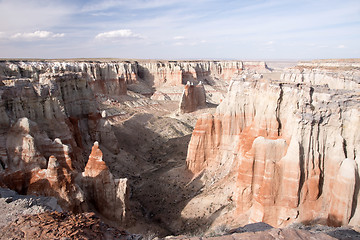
(290, 144)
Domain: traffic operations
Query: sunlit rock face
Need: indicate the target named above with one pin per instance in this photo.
(174, 73)
(287, 149)
(32, 174)
(193, 97)
(109, 195)
(103, 77)
(292, 145)
(49, 119)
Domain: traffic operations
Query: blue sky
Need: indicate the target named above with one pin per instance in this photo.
(180, 29)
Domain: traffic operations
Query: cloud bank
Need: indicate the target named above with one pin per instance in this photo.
(117, 34)
(37, 35)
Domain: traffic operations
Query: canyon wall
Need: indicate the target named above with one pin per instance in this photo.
(292, 144)
(174, 73)
(111, 76)
(49, 119)
(193, 97)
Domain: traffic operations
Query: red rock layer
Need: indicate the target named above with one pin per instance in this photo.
(286, 145)
(76, 192)
(109, 195)
(193, 97)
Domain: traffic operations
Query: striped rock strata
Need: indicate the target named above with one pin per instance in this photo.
(30, 173)
(193, 97)
(293, 147)
(111, 75)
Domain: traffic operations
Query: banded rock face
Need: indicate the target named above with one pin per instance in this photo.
(109, 195)
(106, 78)
(74, 191)
(291, 146)
(47, 123)
(170, 73)
(193, 97)
(332, 74)
(112, 77)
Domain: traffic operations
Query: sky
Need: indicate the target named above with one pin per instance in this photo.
(180, 29)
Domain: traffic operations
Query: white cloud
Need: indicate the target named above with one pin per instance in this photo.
(270, 43)
(178, 37)
(341, 46)
(37, 35)
(121, 33)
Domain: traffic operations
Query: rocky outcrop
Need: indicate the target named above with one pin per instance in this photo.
(163, 79)
(290, 144)
(174, 73)
(332, 74)
(31, 170)
(13, 205)
(281, 147)
(55, 225)
(76, 192)
(193, 97)
(103, 77)
(110, 196)
(111, 77)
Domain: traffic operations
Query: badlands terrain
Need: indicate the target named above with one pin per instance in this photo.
(182, 148)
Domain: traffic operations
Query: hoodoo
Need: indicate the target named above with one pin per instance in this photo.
(193, 97)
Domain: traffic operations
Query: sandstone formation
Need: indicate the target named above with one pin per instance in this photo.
(107, 136)
(76, 192)
(110, 196)
(292, 145)
(193, 97)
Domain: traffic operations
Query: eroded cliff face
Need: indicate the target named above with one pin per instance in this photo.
(169, 77)
(49, 119)
(104, 77)
(110, 196)
(291, 145)
(28, 171)
(193, 97)
(278, 151)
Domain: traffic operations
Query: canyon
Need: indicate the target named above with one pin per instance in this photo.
(185, 147)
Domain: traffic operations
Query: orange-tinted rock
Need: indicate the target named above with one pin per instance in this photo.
(75, 192)
(59, 182)
(342, 194)
(193, 97)
(285, 143)
(28, 172)
(108, 195)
